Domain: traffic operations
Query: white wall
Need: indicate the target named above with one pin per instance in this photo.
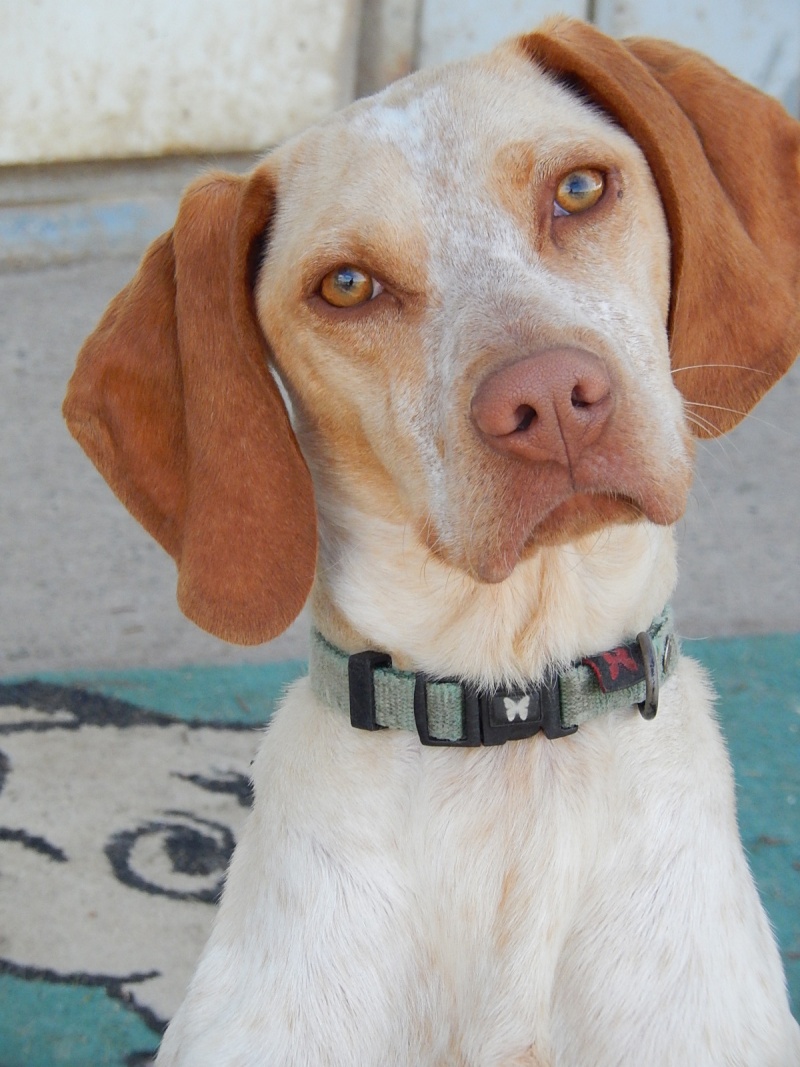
(82, 79)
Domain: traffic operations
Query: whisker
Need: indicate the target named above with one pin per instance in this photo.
(702, 423)
(718, 366)
(735, 411)
(719, 444)
(715, 407)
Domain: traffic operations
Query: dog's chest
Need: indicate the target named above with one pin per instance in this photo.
(462, 871)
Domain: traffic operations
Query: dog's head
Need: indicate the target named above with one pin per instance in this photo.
(502, 296)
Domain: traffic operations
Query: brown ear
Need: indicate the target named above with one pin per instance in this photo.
(726, 160)
(173, 400)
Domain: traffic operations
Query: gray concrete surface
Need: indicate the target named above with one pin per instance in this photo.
(75, 211)
(81, 585)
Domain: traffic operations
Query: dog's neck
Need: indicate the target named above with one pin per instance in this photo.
(378, 587)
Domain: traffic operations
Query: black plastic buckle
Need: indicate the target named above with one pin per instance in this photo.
(494, 718)
(360, 673)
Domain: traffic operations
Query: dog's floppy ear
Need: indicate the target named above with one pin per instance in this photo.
(173, 400)
(726, 160)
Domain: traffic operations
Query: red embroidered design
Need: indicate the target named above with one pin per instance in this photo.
(619, 657)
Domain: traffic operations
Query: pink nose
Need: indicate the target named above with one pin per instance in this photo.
(550, 406)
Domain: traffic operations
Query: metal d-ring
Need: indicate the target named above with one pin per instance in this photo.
(649, 706)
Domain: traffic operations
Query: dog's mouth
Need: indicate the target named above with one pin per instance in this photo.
(524, 522)
(579, 516)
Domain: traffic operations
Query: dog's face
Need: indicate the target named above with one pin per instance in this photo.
(437, 205)
(497, 308)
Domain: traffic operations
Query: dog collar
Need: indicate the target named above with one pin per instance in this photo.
(444, 711)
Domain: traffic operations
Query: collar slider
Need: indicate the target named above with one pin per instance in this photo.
(361, 676)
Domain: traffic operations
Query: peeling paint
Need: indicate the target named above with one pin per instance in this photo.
(42, 235)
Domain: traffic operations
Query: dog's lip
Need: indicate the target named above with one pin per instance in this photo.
(491, 570)
(581, 511)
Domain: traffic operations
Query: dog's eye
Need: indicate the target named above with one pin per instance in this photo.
(578, 191)
(347, 287)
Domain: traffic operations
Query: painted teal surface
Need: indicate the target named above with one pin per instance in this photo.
(245, 694)
(758, 681)
(45, 1024)
(52, 232)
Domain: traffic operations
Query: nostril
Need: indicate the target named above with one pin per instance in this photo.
(589, 391)
(524, 416)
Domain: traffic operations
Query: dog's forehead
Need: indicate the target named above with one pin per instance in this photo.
(434, 134)
(471, 110)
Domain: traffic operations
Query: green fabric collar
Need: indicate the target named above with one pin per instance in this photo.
(447, 712)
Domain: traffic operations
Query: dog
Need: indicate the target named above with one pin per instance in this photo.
(496, 825)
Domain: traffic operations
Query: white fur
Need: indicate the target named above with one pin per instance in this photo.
(583, 902)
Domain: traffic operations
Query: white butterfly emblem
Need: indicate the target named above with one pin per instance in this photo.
(516, 709)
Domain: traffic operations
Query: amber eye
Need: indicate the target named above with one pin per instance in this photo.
(578, 191)
(347, 287)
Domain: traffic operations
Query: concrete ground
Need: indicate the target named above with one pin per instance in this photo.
(81, 585)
